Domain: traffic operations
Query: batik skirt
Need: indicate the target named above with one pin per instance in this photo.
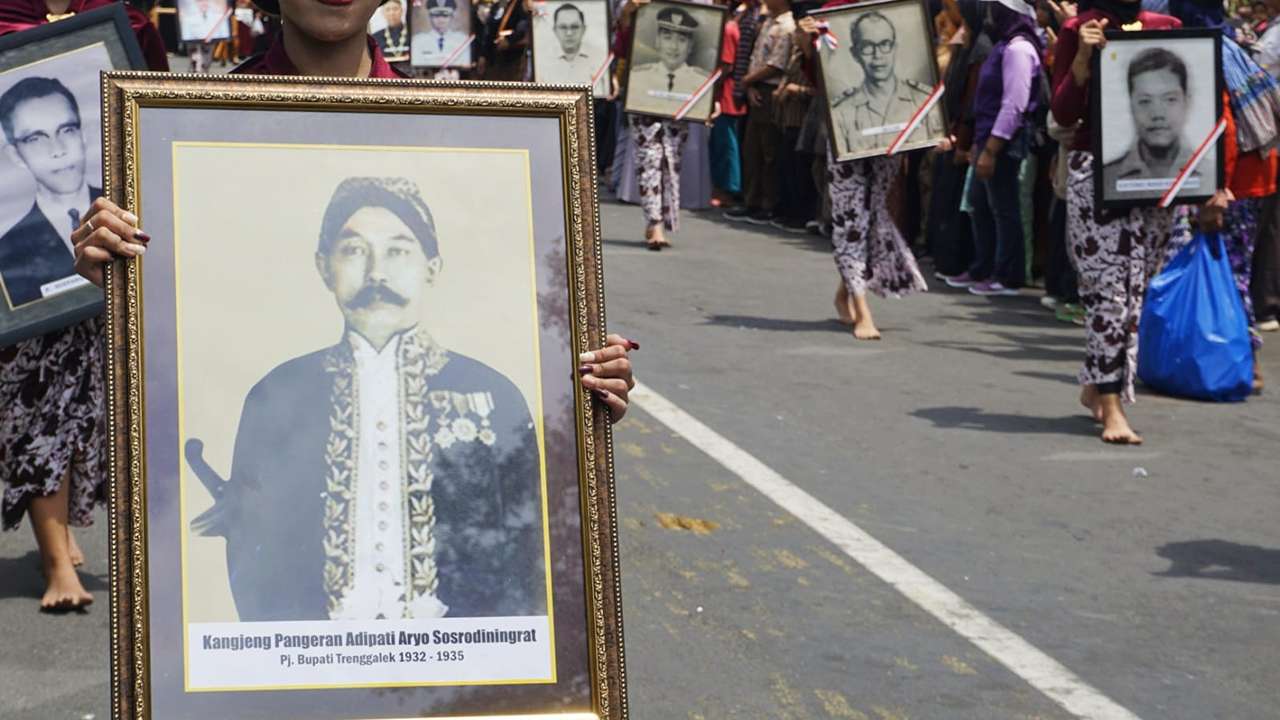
(870, 252)
(658, 147)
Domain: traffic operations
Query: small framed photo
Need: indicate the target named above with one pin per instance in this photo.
(571, 44)
(1157, 99)
(440, 33)
(363, 480)
(878, 69)
(51, 163)
(675, 50)
(204, 20)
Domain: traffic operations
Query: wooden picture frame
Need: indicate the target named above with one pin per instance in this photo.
(1113, 102)
(458, 39)
(644, 94)
(40, 291)
(857, 129)
(500, 609)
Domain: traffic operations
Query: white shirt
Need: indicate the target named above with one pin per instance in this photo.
(58, 213)
(1267, 49)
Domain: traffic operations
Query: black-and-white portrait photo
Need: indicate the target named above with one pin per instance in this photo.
(204, 20)
(428, 459)
(1158, 101)
(441, 33)
(571, 43)
(675, 50)
(878, 73)
(390, 30)
(50, 172)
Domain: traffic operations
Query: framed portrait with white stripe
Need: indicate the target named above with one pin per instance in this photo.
(51, 163)
(1156, 99)
(880, 78)
(675, 50)
(204, 20)
(571, 43)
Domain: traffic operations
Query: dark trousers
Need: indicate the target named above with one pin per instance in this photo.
(760, 177)
(1265, 284)
(949, 235)
(1059, 277)
(999, 247)
(606, 125)
(798, 195)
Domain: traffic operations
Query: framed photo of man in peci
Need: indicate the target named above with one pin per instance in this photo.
(878, 71)
(50, 167)
(571, 44)
(362, 480)
(675, 50)
(1156, 100)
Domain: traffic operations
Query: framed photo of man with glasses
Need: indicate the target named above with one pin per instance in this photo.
(50, 165)
(364, 479)
(571, 44)
(674, 53)
(878, 71)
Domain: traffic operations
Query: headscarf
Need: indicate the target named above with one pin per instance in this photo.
(1124, 11)
(971, 54)
(1010, 19)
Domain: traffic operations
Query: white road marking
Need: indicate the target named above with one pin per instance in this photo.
(1023, 659)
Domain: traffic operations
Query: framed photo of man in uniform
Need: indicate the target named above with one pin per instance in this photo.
(571, 44)
(204, 20)
(675, 50)
(440, 33)
(878, 70)
(1156, 100)
(364, 480)
(50, 163)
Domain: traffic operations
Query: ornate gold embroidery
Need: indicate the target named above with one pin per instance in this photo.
(340, 455)
(419, 359)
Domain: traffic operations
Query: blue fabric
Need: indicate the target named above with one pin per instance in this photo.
(1193, 339)
(997, 226)
(726, 163)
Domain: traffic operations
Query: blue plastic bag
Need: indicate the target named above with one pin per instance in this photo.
(1193, 339)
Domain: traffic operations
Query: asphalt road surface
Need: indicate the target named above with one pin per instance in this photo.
(1026, 570)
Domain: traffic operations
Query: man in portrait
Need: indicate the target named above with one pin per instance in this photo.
(671, 80)
(1158, 102)
(433, 46)
(573, 63)
(384, 476)
(394, 38)
(884, 102)
(43, 135)
(202, 20)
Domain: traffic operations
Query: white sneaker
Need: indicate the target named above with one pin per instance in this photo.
(1049, 301)
(1271, 325)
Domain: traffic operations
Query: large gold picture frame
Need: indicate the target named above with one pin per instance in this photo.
(152, 127)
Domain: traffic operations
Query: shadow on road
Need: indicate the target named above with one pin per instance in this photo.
(1065, 378)
(22, 577)
(1221, 560)
(763, 323)
(971, 418)
(1013, 352)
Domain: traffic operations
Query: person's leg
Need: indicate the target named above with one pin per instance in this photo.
(673, 136)
(1006, 197)
(49, 523)
(649, 176)
(752, 158)
(847, 183)
(1264, 283)
(1026, 174)
(983, 220)
(771, 143)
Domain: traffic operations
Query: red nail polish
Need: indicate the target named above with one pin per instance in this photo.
(584, 369)
(142, 237)
(633, 344)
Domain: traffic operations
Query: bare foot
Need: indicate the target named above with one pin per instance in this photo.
(1089, 399)
(1115, 425)
(1258, 384)
(73, 549)
(866, 331)
(64, 591)
(844, 305)
(864, 326)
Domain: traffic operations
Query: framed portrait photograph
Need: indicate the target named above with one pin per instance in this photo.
(51, 163)
(1157, 98)
(879, 72)
(571, 44)
(361, 479)
(204, 20)
(675, 50)
(440, 33)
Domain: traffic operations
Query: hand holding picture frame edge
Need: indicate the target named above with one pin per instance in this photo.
(125, 93)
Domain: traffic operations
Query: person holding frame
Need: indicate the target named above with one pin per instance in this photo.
(52, 435)
(869, 250)
(1115, 253)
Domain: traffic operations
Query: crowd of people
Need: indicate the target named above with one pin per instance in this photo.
(1005, 201)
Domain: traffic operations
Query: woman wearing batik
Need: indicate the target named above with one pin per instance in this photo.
(1251, 98)
(1114, 253)
(52, 435)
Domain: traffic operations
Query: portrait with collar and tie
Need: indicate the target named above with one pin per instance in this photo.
(44, 139)
(571, 43)
(672, 56)
(439, 31)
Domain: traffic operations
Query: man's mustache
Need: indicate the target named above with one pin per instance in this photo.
(369, 294)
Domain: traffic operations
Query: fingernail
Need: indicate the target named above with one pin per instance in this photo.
(633, 344)
(587, 357)
(584, 370)
(141, 236)
(136, 249)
